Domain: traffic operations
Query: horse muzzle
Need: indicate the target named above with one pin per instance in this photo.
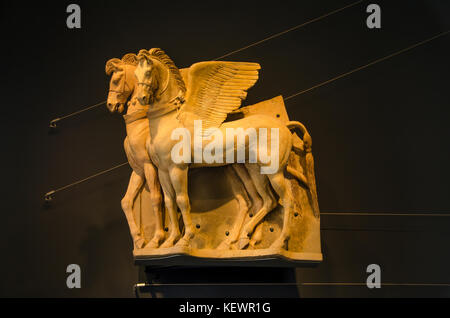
(115, 107)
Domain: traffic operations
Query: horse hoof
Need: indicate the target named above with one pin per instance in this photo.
(166, 245)
(243, 242)
(234, 247)
(169, 242)
(254, 242)
(278, 244)
(139, 243)
(154, 243)
(183, 242)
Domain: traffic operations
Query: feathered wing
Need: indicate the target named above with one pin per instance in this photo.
(218, 88)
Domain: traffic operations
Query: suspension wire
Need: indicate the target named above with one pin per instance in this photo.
(142, 285)
(48, 195)
(288, 30)
(53, 122)
(139, 286)
(382, 214)
(369, 64)
(382, 284)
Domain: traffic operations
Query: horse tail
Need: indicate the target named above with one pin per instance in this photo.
(307, 140)
(310, 176)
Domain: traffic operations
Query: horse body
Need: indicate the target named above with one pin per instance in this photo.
(174, 175)
(121, 87)
(160, 146)
(136, 145)
(159, 88)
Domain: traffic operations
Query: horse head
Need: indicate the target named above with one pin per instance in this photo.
(122, 81)
(158, 79)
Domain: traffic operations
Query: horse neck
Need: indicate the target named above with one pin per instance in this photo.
(134, 105)
(172, 90)
(163, 125)
(136, 127)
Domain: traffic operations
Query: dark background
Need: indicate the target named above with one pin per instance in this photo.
(380, 136)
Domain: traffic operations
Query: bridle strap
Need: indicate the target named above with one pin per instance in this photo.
(171, 106)
(158, 112)
(166, 85)
(139, 114)
(125, 85)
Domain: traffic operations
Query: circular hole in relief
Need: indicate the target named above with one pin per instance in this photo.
(271, 229)
(278, 115)
(197, 226)
(296, 214)
(166, 229)
(227, 233)
(251, 215)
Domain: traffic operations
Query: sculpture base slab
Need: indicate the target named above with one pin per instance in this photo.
(210, 257)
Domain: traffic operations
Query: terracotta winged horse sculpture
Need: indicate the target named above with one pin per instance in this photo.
(214, 89)
(121, 93)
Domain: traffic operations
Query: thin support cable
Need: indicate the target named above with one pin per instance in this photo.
(288, 30)
(369, 64)
(48, 196)
(143, 285)
(384, 214)
(54, 122)
(382, 284)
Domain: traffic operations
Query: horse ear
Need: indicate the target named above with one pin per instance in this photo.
(113, 65)
(144, 55)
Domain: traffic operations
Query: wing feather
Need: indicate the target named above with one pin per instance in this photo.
(217, 88)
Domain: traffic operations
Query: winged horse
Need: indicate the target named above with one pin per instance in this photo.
(122, 92)
(214, 89)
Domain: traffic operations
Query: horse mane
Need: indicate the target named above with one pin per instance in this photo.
(127, 59)
(161, 56)
(130, 59)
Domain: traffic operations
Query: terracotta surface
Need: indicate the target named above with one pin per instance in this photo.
(231, 211)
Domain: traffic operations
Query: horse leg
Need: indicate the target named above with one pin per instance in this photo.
(179, 178)
(261, 184)
(255, 200)
(282, 187)
(169, 202)
(134, 185)
(255, 197)
(156, 199)
(257, 234)
(241, 196)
